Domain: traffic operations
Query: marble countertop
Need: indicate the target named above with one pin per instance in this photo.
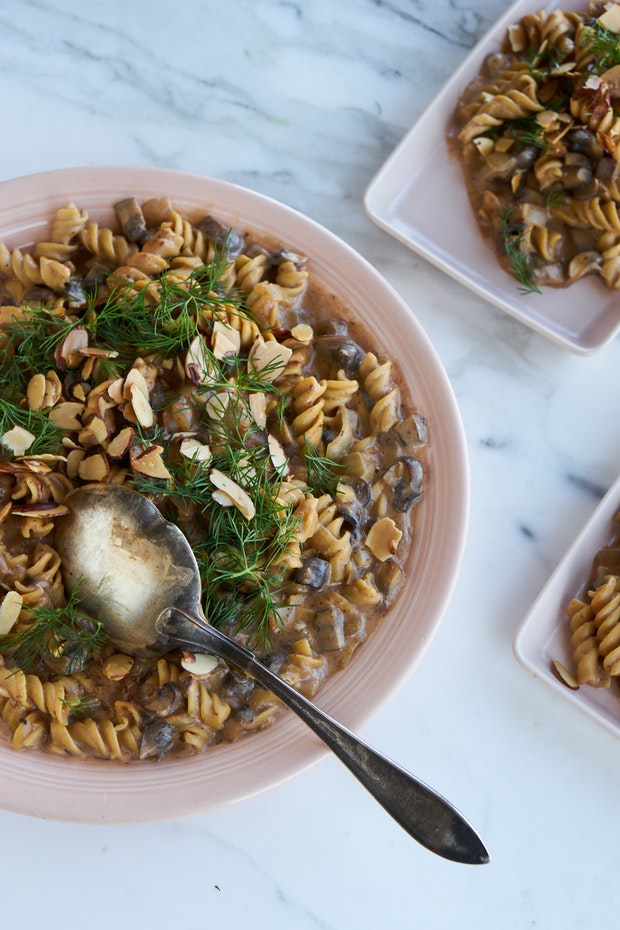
(303, 102)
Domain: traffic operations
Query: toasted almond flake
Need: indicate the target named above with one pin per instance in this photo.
(277, 455)
(95, 352)
(302, 333)
(5, 510)
(94, 434)
(149, 462)
(223, 499)
(566, 677)
(117, 666)
(120, 444)
(67, 354)
(53, 390)
(73, 462)
(65, 415)
(610, 19)
(225, 340)
(141, 405)
(9, 611)
(94, 467)
(268, 359)
(240, 499)
(383, 538)
(198, 664)
(194, 449)
(217, 405)
(35, 392)
(258, 408)
(40, 509)
(17, 439)
(197, 367)
(115, 390)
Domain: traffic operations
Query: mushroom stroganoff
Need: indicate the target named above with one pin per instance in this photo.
(538, 136)
(205, 369)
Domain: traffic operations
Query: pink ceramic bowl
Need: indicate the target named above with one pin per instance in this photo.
(102, 792)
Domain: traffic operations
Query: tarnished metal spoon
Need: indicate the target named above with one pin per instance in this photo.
(139, 577)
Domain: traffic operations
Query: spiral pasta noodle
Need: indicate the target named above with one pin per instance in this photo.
(199, 367)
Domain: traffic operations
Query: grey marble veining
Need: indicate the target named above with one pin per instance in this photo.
(303, 102)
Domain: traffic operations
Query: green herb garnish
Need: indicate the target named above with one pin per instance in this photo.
(519, 262)
(604, 45)
(55, 633)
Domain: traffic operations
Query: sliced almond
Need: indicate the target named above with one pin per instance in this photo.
(302, 333)
(383, 538)
(610, 19)
(73, 462)
(94, 434)
(258, 408)
(149, 462)
(94, 467)
(17, 439)
(198, 369)
(240, 499)
(198, 664)
(40, 509)
(142, 406)
(223, 499)
(10, 610)
(35, 392)
(67, 354)
(65, 415)
(268, 359)
(566, 677)
(53, 390)
(117, 666)
(277, 455)
(225, 341)
(194, 449)
(120, 444)
(115, 390)
(217, 405)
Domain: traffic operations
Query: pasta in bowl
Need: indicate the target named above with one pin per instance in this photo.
(158, 331)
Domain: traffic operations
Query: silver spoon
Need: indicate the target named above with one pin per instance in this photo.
(139, 577)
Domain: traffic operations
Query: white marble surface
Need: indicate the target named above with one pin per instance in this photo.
(303, 102)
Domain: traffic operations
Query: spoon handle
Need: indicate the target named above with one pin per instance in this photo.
(424, 814)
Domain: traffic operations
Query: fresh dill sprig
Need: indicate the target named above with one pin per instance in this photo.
(604, 45)
(47, 435)
(527, 131)
(555, 199)
(28, 344)
(322, 472)
(519, 262)
(55, 633)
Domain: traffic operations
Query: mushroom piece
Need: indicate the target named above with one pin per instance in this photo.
(344, 353)
(165, 701)
(222, 236)
(389, 578)
(412, 431)
(584, 263)
(131, 219)
(584, 141)
(314, 573)
(157, 737)
(350, 501)
(329, 626)
(405, 479)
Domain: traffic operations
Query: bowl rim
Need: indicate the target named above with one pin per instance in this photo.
(40, 784)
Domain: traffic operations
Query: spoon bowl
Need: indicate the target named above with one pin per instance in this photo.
(137, 574)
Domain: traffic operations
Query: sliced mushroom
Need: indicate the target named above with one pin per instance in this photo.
(329, 626)
(404, 478)
(412, 431)
(344, 353)
(165, 701)
(157, 737)
(225, 237)
(314, 573)
(131, 219)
